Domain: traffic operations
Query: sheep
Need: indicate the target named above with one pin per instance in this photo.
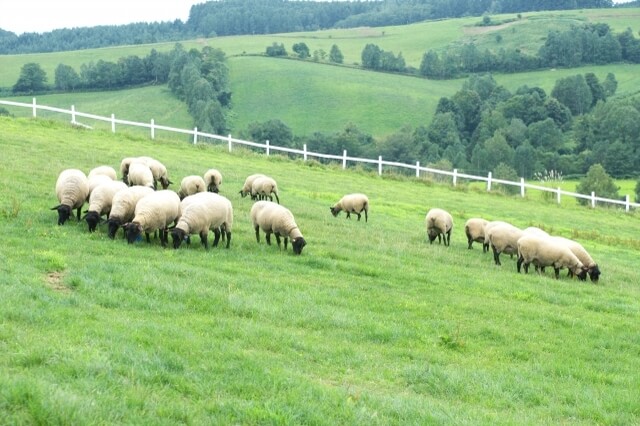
(205, 211)
(263, 187)
(191, 185)
(246, 188)
(140, 174)
(124, 168)
(487, 227)
(533, 230)
(474, 229)
(439, 224)
(103, 170)
(96, 180)
(72, 190)
(503, 238)
(213, 180)
(154, 212)
(100, 202)
(544, 251)
(352, 203)
(123, 207)
(159, 172)
(276, 219)
(584, 256)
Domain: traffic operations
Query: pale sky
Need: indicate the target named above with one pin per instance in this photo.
(39, 16)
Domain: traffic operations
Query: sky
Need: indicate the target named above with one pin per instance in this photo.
(19, 16)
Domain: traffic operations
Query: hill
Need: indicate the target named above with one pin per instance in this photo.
(371, 324)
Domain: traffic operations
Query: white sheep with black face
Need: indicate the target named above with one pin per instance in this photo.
(201, 213)
(123, 207)
(246, 187)
(352, 203)
(582, 254)
(503, 238)
(140, 174)
(264, 187)
(100, 202)
(275, 219)
(213, 180)
(439, 225)
(72, 190)
(474, 230)
(544, 251)
(154, 212)
(191, 185)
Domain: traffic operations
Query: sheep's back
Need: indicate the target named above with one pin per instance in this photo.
(157, 210)
(101, 197)
(124, 202)
(72, 188)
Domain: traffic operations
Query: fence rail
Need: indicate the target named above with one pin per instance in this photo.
(306, 154)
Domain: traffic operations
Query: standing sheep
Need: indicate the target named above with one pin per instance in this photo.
(103, 170)
(205, 211)
(213, 180)
(123, 207)
(276, 219)
(263, 187)
(439, 224)
(487, 227)
(159, 172)
(352, 203)
(140, 174)
(503, 238)
(246, 188)
(474, 229)
(100, 202)
(95, 181)
(584, 256)
(154, 212)
(124, 168)
(191, 185)
(72, 190)
(544, 251)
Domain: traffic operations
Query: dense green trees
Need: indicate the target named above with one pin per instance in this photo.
(32, 79)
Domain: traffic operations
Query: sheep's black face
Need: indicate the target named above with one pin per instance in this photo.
(582, 275)
(113, 225)
(64, 213)
(165, 182)
(132, 231)
(334, 211)
(594, 274)
(92, 218)
(297, 245)
(178, 235)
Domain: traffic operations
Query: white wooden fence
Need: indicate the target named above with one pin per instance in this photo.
(344, 158)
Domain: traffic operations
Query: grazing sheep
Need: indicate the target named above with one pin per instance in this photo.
(544, 251)
(246, 188)
(154, 212)
(123, 207)
(503, 238)
(213, 180)
(72, 190)
(96, 180)
(124, 168)
(276, 219)
(140, 174)
(487, 227)
(191, 185)
(439, 223)
(205, 211)
(263, 187)
(100, 202)
(584, 256)
(159, 172)
(103, 170)
(533, 230)
(352, 203)
(474, 229)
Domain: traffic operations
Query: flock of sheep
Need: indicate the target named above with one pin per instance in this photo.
(531, 245)
(138, 206)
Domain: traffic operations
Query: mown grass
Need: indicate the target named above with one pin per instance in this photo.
(370, 325)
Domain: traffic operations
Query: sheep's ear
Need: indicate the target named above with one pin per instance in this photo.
(56, 207)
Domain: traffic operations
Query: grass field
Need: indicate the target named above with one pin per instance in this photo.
(370, 325)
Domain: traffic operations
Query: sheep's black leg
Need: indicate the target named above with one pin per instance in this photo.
(470, 242)
(496, 255)
(216, 238)
(358, 216)
(204, 239)
(78, 213)
(449, 238)
(268, 237)
(148, 239)
(257, 233)
(348, 215)
(277, 198)
(277, 239)
(519, 263)
(557, 271)
(366, 216)
(228, 238)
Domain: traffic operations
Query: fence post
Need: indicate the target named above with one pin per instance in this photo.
(626, 203)
(267, 143)
(593, 199)
(195, 135)
(379, 165)
(153, 129)
(522, 187)
(455, 177)
(417, 169)
(73, 114)
(304, 153)
(34, 107)
(489, 182)
(558, 197)
(113, 123)
(344, 159)
(229, 139)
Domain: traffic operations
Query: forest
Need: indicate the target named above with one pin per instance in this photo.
(242, 17)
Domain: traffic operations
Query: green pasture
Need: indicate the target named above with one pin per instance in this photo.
(370, 325)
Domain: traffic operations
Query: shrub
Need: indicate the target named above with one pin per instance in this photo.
(597, 180)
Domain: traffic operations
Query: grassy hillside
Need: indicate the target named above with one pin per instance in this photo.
(370, 325)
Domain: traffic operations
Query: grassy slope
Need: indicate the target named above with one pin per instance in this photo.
(370, 325)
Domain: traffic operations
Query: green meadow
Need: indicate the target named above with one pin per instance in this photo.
(370, 325)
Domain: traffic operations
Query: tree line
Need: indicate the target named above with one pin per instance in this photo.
(246, 17)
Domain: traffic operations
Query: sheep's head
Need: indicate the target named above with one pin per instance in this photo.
(113, 225)
(92, 218)
(64, 213)
(132, 231)
(178, 235)
(432, 233)
(581, 273)
(165, 182)
(594, 273)
(334, 210)
(297, 244)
